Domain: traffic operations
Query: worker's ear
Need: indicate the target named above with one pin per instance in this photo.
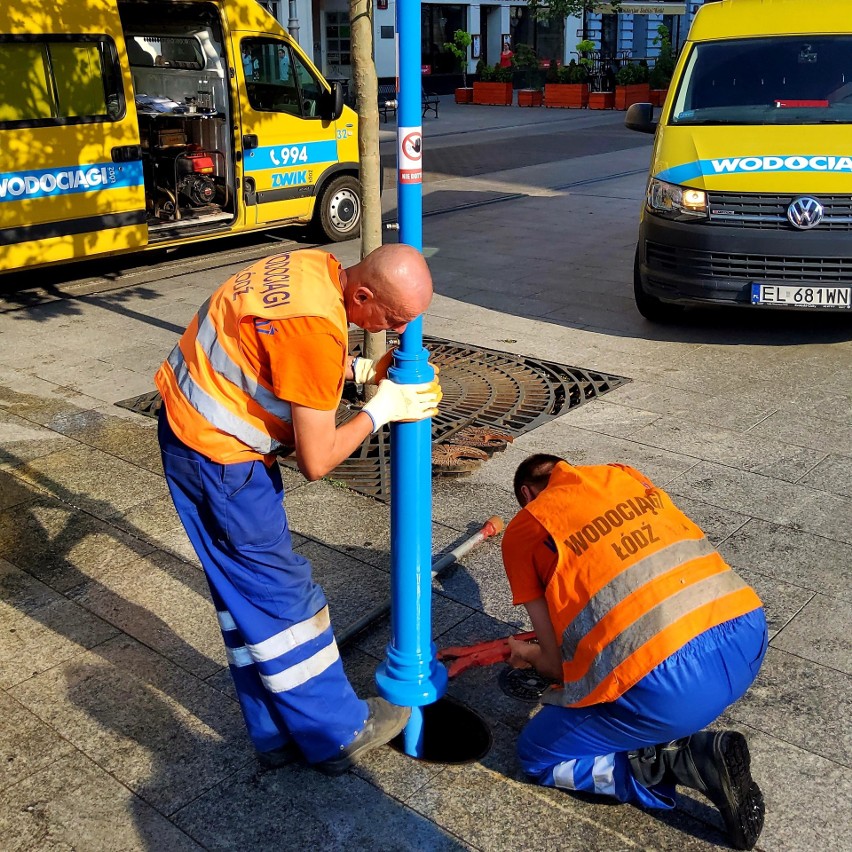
(527, 495)
(362, 295)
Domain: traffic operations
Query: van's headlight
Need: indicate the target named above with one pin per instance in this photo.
(675, 202)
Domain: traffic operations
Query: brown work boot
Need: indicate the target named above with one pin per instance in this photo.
(385, 721)
(278, 757)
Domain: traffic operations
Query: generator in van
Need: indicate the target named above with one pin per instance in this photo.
(749, 197)
(127, 125)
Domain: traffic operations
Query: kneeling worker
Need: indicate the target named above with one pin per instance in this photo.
(261, 367)
(650, 634)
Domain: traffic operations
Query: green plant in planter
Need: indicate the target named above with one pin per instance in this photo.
(629, 74)
(552, 74)
(484, 72)
(458, 47)
(661, 74)
(500, 74)
(574, 72)
(526, 60)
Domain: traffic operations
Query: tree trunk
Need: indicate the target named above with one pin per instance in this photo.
(367, 94)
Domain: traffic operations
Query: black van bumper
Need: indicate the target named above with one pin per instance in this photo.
(698, 263)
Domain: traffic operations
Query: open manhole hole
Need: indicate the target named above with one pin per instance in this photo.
(452, 733)
(523, 684)
(490, 397)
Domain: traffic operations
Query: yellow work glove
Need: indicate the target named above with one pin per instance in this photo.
(394, 402)
(366, 371)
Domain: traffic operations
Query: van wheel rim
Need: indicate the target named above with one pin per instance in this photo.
(344, 210)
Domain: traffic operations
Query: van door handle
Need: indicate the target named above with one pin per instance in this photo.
(250, 141)
(126, 153)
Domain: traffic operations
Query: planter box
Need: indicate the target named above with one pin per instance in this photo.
(636, 93)
(566, 95)
(496, 94)
(658, 96)
(464, 96)
(530, 98)
(601, 100)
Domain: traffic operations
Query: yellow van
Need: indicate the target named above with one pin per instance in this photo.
(134, 124)
(749, 198)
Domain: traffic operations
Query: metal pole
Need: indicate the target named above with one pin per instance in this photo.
(293, 23)
(411, 674)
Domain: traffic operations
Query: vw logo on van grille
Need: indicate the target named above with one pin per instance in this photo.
(805, 213)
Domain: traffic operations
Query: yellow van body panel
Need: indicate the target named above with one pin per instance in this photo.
(63, 178)
(743, 18)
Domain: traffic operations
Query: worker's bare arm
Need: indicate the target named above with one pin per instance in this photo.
(544, 657)
(321, 445)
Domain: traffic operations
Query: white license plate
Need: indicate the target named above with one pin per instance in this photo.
(801, 297)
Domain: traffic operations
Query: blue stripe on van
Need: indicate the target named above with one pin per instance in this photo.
(832, 163)
(42, 183)
(286, 156)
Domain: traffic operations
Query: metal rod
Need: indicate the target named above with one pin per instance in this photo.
(493, 526)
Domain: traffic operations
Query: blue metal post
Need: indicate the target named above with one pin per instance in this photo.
(411, 675)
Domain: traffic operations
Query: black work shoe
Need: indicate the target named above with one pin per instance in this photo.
(385, 721)
(718, 766)
(279, 757)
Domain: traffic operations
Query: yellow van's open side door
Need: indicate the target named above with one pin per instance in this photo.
(286, 144)
(71, 181)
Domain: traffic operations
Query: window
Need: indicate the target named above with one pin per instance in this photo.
(438, 23)
(785, 81)
(54, 81)
(166, 52)
(338, 44)
(277, 80)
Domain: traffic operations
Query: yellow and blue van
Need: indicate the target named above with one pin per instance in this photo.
(134, 124)
(749, 197)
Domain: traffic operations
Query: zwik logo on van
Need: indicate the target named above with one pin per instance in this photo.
(18, 186)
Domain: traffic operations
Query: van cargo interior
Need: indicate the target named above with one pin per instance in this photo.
(180, 81)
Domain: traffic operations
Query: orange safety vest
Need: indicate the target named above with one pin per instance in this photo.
(635, 580)
(216, 403)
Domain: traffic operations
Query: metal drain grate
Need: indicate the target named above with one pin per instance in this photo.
(507, 393)
(523, 684)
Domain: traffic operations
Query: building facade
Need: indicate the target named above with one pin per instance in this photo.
(324, 33)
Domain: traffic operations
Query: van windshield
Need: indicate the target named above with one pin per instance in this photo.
(778, 80)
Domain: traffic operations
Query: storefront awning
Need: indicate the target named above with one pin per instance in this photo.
(645, 7)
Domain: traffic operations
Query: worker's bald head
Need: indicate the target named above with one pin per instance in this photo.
(532, 476)
(387, 289)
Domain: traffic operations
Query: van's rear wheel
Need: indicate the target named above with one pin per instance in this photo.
(652, 308)
(339, 213)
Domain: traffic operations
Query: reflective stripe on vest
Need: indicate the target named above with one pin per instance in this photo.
(221, 362)
(627, 582)
(647, 627)
(215, 413)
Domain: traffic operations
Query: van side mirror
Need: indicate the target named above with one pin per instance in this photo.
(333, 103)
(640, 117)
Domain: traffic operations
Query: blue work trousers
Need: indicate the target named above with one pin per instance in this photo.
(585, 748)
(274, 618)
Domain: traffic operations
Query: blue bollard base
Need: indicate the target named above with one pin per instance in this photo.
(403, 688)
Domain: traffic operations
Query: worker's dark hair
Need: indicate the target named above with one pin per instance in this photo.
(534, 470)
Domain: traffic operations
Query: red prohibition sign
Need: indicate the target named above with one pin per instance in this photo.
(412, 145)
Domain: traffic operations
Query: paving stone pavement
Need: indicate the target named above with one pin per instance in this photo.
(118, 725)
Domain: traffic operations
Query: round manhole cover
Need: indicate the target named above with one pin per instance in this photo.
(524, 684)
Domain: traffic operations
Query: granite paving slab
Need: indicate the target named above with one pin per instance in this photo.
(26, 744)
(825, 435)
(769, 499)
(92, 480)
(802, 703)
(62, 546)
(74, 804)
(781, 601)
(833, 473)
(154, 727)
(21, 441)
(298, 808)
(163, 603)
(811, 561)
(821, 632)
(13, 490)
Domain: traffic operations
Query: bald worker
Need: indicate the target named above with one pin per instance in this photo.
(261, 368)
